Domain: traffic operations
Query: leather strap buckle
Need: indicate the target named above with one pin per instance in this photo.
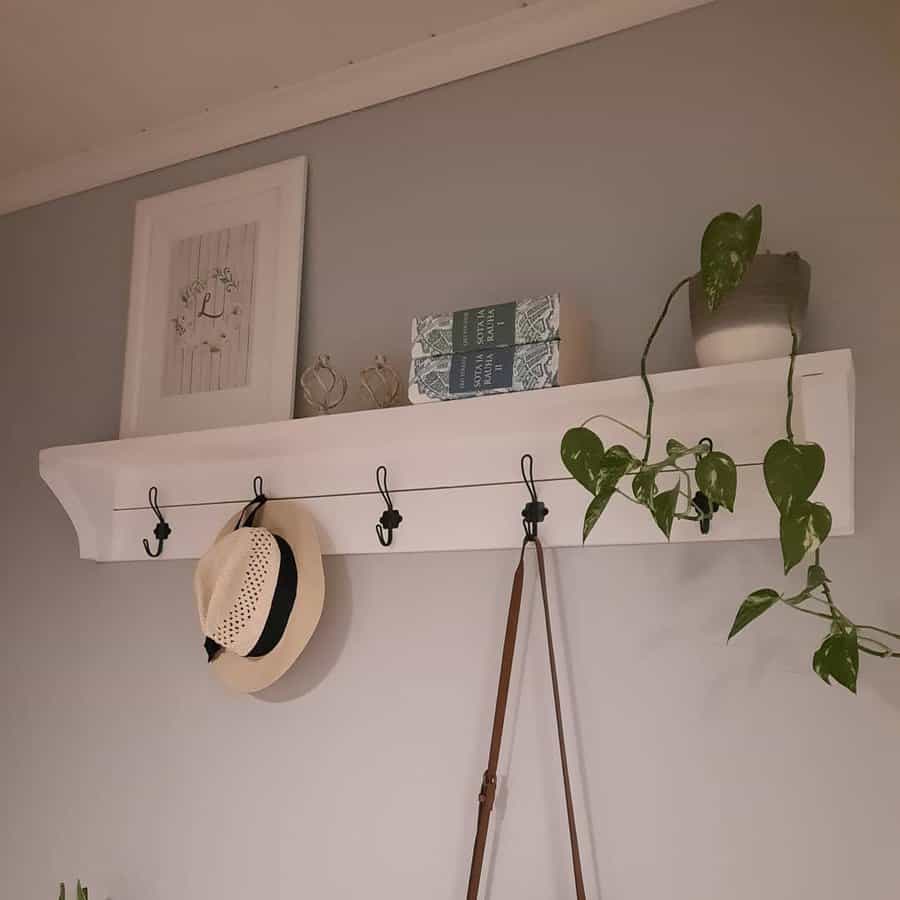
(488, 790)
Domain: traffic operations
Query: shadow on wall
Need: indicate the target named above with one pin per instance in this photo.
(325, 647)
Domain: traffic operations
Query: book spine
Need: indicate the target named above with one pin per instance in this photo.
(500, 370)
(529, 321)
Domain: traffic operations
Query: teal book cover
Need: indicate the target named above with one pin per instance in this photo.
(498, 370)
(529, 321)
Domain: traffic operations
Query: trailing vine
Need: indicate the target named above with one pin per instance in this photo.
(792, 472)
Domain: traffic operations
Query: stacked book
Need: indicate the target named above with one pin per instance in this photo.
(523, 345)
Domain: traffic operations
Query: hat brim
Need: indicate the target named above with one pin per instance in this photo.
(290, 521)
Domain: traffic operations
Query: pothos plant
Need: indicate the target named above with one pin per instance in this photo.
(81, 893)
(700, 479)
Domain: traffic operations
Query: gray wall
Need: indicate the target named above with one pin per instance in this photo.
(703, 772)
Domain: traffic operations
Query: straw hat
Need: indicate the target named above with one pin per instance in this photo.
(260, 589)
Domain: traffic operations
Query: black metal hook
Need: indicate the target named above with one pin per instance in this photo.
(162, 530)
(701, 503)
(390, 518)
(534, 512)
(248, 513)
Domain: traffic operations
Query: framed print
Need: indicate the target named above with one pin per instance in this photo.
(215, 303)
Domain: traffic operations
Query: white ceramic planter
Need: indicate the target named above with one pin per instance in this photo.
(752, 322)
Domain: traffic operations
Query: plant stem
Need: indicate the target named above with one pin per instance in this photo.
(622, 493)
(649, 435)
(831, 604)
(837, 613)
(876, 652)
(826, 587)
(789, 425)
(687, 476)
(673, 464)
(884, 649)
(809, 612)
(640, 434)
(879, 630)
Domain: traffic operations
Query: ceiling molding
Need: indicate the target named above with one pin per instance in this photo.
(530, 31)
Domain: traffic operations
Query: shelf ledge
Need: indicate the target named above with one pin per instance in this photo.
(454, 467)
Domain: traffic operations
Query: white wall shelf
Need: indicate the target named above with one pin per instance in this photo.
(454, 467)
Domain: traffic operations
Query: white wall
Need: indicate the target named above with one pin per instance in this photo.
(702, 771)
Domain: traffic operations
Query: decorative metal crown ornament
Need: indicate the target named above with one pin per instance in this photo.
(323, 386)
(380, 384)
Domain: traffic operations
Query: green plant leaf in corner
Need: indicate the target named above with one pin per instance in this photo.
(726, 251)
(753, 607)
(803, 528)
(716, 476)
(594, 511)
(838, 658)
(663, 510)
(792, 472)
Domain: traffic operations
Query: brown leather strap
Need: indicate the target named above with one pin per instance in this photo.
(489, 781)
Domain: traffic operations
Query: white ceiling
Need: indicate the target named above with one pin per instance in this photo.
(78, 74)
(95, 91)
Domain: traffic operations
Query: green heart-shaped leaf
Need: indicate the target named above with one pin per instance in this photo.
(582, 454)
(616, 462)
(593, 512)
(598, 470)
(675, 449)
(753, 607)
(619, 458)
(792, 472)
(663, 510)
(726, 251)
(838, 658)
(643, 486)
(803, 528)
(716, 476)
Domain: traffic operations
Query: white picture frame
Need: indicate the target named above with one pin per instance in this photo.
(214, 311)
